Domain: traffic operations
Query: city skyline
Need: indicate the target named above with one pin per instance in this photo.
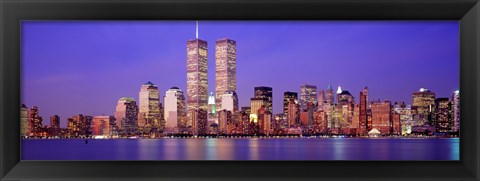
(44, 78)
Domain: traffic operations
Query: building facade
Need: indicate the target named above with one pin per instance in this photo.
(225, 68)
(308, 94)
(149, 112)
(265, 93)
(102, 125)
(175, 115)
(424, 102)
(24, 120)
(197, 78)
(287, 96)
(382, 116)
(126, 115)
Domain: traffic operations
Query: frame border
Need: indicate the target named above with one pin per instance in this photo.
(13, 11)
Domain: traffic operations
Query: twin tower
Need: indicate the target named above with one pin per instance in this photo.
(197, 73)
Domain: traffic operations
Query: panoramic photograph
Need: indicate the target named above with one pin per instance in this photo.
(240, 90)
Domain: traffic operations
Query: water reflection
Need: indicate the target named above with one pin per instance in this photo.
(253, 149)
(243, 149)
(211, 145)
(170, 149)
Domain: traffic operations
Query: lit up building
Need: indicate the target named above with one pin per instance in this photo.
(102, 125)
(54, 125)
(224, 120)
(443, 115)
(126, 115)
(149, 114)
(321, 99)
(80, 125)
(365, 93)
(211, 104)
(244, 118)
(308, 94)
(329, 96)
(286, 100)
(456, 110)
(396, 124)
(264, 120)
(197, 79)
(346, 102)
(356, 118)
(320, 122)
(174, 102)
(230, 101)
(24, 120)
(381, 116)
(199, 122)
(362, 108)
(293, 113)
(267, 94)
(424, 101)
(306, 117)
(405, 112)
(34, 122)
(255, 104)
(225, 68)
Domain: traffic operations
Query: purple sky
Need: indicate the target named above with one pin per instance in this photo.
(73, 67)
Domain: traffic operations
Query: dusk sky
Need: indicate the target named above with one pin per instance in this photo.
(84, 67)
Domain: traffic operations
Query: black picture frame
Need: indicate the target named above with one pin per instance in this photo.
(13, 11)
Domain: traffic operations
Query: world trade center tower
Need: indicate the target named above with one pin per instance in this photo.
(197, 80)
(225, 69)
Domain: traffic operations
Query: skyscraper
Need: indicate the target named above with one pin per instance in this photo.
(321, 99)
(225, 68)
(175, 115)
(308, 94)
(405, 112)
(211, 104)
(382, 116)
(197, 80)
(287, 96)
(424, 101)
(149, 107)
(34, 122)
(365, 92)
(102, 125)
(267, 94)
(255, 104)
(363, 120)
(126, 115)
(24, 120)
(80, 125)
(443, 115)
(456, 110)
(212, 110)
(293, 114)
(230, 101)
(329, 96)
(224, 120)
(199, 121)
(55, 122)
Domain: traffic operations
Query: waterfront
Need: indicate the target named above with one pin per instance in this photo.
(243, 149)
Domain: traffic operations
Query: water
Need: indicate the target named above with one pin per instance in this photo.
(243, 149)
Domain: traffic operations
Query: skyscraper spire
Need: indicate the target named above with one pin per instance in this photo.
(196, 29)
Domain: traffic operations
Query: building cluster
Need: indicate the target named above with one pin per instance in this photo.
(311, 112)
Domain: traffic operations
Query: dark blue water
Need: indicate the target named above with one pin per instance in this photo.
(243, 149)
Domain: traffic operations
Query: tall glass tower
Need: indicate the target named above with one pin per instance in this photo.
(225, 68)
(197, 80)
